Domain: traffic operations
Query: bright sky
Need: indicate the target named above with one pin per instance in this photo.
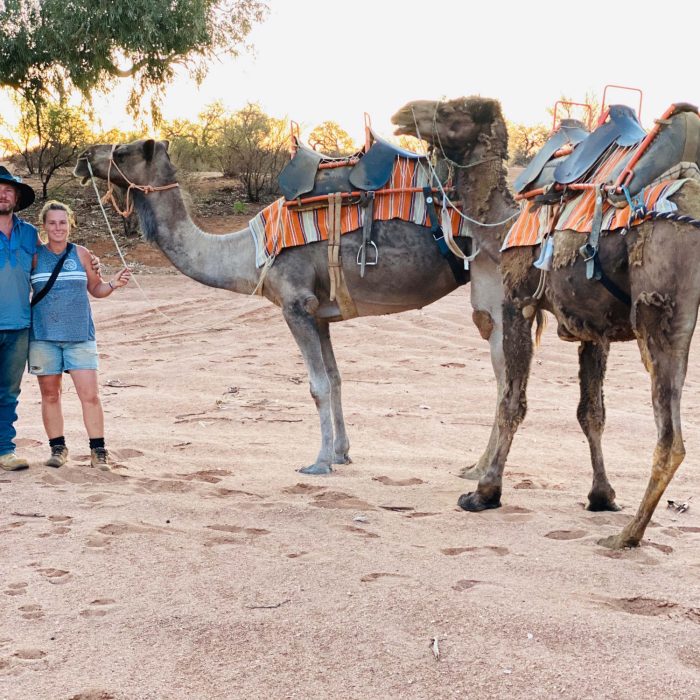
(317, 60)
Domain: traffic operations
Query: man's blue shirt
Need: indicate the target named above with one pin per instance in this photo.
(15, 269)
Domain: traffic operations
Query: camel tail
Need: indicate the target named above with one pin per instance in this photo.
(540, 325)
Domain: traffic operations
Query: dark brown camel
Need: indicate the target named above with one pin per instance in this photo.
(654, 263)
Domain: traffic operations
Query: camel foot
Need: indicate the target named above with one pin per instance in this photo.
(315, 469)
(342, 459)
(473, 472)
(618, 542)
(602, 501)
(475, 502)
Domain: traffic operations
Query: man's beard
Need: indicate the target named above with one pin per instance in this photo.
(6, 208)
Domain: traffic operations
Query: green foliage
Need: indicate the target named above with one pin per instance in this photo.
(239, 208)
(247, 144)
(47, 137)
(331, 140)
(58, 45)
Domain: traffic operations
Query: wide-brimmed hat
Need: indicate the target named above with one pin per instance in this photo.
(26, 193)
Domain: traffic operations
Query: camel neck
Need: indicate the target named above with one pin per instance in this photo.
(224, 261)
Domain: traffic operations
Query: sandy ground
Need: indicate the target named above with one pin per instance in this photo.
(204, 566)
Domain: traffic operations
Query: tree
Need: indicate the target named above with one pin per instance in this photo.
(331, 140)
(524, 141)
(253, 147)
(55, 46)
(568, 109)
(47, 137)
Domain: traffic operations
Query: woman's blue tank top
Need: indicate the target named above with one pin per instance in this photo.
(64, 314)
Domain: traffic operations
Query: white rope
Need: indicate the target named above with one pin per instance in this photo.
(125, 264)
(444, 194)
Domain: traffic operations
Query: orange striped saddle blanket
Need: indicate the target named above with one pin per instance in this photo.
(284, 224)
(535, 221)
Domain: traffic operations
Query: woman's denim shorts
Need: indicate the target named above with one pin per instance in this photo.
(55, 357)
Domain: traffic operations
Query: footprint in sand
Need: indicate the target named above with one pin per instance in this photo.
(489, 549)
(368, 578)
(296, 555)
(13, 526)
(55, 575)
(566, 534)
(30, 654)
(210, 476)
(303, 488)
(360, 531)
(118, 529)
(31, 612)
(337, 499)
(652, 607)
(163, 486)
(98, 608)
(234, 529)
(225, 493)
(388, 481)
(93, 695)
(16, 589)
(465, 584)
(98, 541)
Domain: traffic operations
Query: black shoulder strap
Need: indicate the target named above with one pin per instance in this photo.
(47, 287)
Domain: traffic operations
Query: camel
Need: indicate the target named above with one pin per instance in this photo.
(654, 263)
(410, 274)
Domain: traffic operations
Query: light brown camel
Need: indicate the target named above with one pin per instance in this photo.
(410, 274)
(655, 264)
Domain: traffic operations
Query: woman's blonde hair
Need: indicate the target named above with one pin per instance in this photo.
(55, 205)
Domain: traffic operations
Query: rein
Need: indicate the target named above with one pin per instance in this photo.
(109, 197)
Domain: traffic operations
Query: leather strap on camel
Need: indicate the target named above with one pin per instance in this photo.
(109, 197)
(339, 289)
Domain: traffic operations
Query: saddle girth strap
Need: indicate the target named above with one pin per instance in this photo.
(589, 251)
(457, 267)
(339, 290)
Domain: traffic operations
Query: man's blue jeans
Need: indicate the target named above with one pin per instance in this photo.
(13, 360)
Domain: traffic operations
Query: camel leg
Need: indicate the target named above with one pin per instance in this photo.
(667, 363)
(487, 302)
(592, 359)
(341, 445)
(517, 349)
(666, 290)
(306, 332)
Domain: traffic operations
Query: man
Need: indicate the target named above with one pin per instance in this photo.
(18, 242)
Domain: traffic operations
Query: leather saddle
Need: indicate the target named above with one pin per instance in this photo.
(621, 128)
(569, 133)
(677, 141)
(367, 170)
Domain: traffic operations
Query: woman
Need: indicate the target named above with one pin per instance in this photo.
(62, 335)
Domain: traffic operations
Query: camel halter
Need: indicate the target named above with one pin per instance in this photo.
(109, 197)
(146, 189)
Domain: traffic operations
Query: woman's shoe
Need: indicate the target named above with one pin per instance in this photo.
(59, 456)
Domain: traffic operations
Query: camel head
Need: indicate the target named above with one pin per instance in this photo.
(458, 127)
(144, 162)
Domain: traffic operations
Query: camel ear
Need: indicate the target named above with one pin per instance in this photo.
(165, 144)
(148, 149)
